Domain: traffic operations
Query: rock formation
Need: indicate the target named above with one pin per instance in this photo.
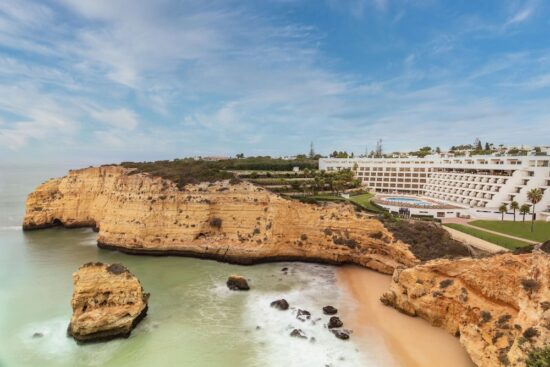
(499, 306)
(237, 283)
(108, 302)
(241, 223)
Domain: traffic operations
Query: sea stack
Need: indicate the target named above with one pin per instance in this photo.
(108, 302)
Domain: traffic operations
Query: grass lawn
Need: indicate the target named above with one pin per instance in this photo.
(506, 242)
(364, 201)
(518, 229)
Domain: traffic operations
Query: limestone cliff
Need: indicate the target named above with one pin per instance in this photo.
(499, 306)
(108, 302)
(242, 223)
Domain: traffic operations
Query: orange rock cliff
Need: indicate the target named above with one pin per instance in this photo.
(499, 306)
(241, 223)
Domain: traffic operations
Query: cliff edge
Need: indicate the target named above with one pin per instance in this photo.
(235, 222)
(499, 306)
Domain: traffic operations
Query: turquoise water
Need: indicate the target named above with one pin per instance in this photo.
(193, 320)
(408, 201)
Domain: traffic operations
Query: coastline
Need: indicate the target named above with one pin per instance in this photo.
(412, 342)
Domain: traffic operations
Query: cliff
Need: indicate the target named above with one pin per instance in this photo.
(234, 222)
(108, 302)
(499, 306)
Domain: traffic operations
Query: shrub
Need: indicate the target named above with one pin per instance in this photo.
(327, 231)
(530, 285)
(485, 317)
(530, 333)
(215, 222)
(303, 237)
(445, 283)
(539, 357)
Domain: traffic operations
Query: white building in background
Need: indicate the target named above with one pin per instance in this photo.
(478, 184)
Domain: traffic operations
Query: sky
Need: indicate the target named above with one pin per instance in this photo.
(111, 80)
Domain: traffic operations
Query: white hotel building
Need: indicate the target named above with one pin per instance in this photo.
(474, 186)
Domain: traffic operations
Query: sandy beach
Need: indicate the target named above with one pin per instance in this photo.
(412, 341)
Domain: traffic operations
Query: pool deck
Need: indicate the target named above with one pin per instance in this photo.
(380, 200)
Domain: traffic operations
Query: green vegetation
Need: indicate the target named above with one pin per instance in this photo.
(191, 171)
(364, 200)
(182, 171)
(518, 229)
(539, 357)
(534, 196)
(506, 242)
(427, 240)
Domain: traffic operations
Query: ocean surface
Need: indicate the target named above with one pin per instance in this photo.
(193, 319)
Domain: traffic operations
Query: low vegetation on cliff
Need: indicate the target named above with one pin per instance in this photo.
(427, 240)
(192, 171)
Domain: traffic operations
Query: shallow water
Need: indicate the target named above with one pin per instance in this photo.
(193, 319)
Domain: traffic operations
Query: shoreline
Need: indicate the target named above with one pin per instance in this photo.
(411, 341)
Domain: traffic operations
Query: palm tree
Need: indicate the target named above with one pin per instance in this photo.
(534, 196)
(503, 208)
(514, 206)
(524, 209)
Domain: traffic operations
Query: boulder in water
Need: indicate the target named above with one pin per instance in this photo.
(237, 283)
(280, 304)
(297, 333)
(108, 302)
(303, 315)
(329, 310)
(335, 322)
(340, 334)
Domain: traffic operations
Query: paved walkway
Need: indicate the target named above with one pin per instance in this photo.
(474, 241)
(464, 222)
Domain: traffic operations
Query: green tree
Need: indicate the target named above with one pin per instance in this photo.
(503, 208)
(514, 206)
(524, 209)
(534, 196)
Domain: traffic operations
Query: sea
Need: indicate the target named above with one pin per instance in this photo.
(193, 319)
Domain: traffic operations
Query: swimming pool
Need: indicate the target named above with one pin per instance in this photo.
(406, 200)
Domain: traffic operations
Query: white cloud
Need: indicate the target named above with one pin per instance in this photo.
(521, 15)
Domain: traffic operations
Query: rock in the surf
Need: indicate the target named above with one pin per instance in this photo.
(340, 334)
(297, 333)
(303, 315)
(237, 283)
(280, 304)
(329, 310)
(335, 322)
(108, 302)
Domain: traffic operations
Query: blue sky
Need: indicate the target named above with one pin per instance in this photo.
(110, 80)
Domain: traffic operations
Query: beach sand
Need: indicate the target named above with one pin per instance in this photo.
(411, 341)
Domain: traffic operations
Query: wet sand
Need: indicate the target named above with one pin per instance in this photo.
(411, 341)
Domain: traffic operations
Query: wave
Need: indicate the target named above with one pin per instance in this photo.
(313, 287)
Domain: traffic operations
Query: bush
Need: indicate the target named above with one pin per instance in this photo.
(215, 222)
(427, 240)
(530, 333)
(485, 317)
(445, 283)
(303, 237)
(530, 285)
(539, 357)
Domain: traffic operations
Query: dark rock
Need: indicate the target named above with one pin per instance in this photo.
(117, 269)
(297, 333)
(329, 310)
(37, 335)
(237, 283)
(303, 315)
(280, 304)
(284, 269)
(335, 322)
(340, 334)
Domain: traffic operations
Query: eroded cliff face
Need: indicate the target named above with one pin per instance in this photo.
(499, 306)
(108, 302)
(240, 223)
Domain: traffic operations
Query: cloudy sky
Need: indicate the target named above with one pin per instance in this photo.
(111, 80)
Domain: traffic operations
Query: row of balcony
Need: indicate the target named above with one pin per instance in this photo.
(470, 178)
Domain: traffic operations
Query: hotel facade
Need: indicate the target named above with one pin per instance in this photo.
(474, 186)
